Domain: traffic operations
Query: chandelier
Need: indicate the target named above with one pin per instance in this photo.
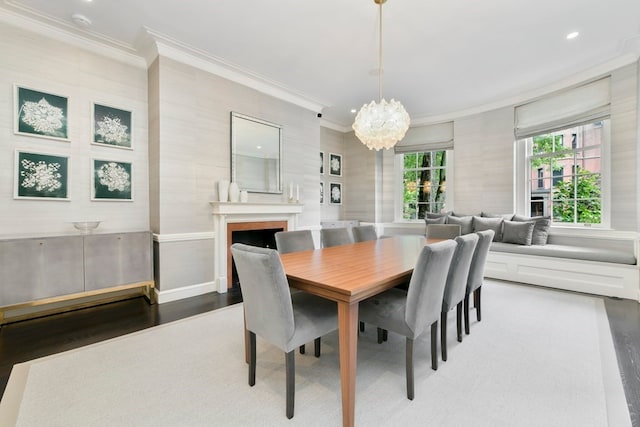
(383, 124)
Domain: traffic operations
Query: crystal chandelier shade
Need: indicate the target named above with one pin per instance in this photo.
(382, 124)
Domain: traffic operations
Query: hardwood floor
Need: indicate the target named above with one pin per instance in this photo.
(35, 338)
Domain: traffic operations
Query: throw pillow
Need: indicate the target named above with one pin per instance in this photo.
(518, 232)
(541, 229)
(465, 223)
(432, 215)
(440, 220)
(495, 224)
(506, 217)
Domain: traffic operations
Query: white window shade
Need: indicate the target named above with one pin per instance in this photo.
(573, 107)
(427, 138)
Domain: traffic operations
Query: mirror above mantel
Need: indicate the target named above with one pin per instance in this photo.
(256, 154)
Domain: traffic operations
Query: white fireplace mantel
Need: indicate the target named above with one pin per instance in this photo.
(229, 212)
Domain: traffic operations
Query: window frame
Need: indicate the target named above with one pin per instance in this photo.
(399, 185)
(524, 171)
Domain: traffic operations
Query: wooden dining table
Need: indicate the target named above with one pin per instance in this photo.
(349, 274)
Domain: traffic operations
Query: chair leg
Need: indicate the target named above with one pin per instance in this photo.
(290, 368)
(434, 345)
(302, 349)
(409, 363)
(361, 326)
(443, 335)
(466, 314)
(252, 358)
(459, 320)
(477, 303)
(316, 345)
(380, 336)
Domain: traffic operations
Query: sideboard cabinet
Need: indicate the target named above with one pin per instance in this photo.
(41, 275)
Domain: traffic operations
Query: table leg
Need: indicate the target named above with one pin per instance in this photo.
(348, 341)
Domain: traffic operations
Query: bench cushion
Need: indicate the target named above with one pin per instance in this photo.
(565, 251)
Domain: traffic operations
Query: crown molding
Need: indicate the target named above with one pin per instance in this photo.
(30, 20)
(173, 49)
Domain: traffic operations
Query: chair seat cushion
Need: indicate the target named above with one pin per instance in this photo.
(387, 311)
(313, 317)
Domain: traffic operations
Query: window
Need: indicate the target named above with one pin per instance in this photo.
(575, 197)
(424, 183)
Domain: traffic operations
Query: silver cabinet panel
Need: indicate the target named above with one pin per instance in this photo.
(39, 268)
(117, 259)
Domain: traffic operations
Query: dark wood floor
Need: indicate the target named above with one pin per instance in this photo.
(23, 341)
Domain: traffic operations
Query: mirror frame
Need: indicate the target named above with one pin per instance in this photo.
(236, 136)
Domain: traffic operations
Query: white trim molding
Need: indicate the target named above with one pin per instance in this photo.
(184, 292)
(183, 237)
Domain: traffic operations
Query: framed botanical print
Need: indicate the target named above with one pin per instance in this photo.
(322, 163)
(335, 164)
(111, 180)
(41, 176)
(40, 114)
(321, 192)
(335, 193)
(111, 126)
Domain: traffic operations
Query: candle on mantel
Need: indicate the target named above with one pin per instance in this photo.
(291, 190)
(297, 192)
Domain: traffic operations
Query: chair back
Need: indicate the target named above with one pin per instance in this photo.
(335, 237)
(265, 291)
(426, 287)
(443, 231)
(362, 233)
(456, 286)
(476, 271)
(294, 241)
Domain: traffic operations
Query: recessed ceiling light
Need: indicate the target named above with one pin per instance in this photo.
(353, 111)
(572, 35)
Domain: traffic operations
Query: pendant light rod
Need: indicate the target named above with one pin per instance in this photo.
(380, 2)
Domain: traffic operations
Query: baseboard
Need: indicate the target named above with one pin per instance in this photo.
(185, 292)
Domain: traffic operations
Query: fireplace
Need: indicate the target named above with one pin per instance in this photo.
(252, 233)
(238, 217)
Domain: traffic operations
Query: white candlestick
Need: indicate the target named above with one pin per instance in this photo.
(297, 192)
(291, 190)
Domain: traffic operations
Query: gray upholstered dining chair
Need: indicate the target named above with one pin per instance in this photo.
(285, 320)
(456, 286)
(335, 237)
(442, 231)
(362, 233)
(476, 275)
(294, 241)
(410, 313)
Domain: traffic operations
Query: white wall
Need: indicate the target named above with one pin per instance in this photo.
(47, 65)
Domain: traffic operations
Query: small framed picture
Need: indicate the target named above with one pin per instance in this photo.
(41, 176)
(335, 194)
(322, 163)
(40, 114)
(111, 180)
(335, 164)
(321, 192)
(111, 126)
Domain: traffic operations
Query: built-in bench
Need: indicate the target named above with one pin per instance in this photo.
(602, 265)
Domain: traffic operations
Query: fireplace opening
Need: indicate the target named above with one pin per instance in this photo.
(262, 237)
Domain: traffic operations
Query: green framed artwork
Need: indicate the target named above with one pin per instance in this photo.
(41, 176)
(112, 126)
(40, 114)
(111, 180)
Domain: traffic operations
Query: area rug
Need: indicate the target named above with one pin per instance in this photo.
(538, 358)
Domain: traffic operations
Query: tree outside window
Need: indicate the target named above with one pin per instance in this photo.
(424, 183)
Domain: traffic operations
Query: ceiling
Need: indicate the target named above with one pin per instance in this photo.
(440, 57)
